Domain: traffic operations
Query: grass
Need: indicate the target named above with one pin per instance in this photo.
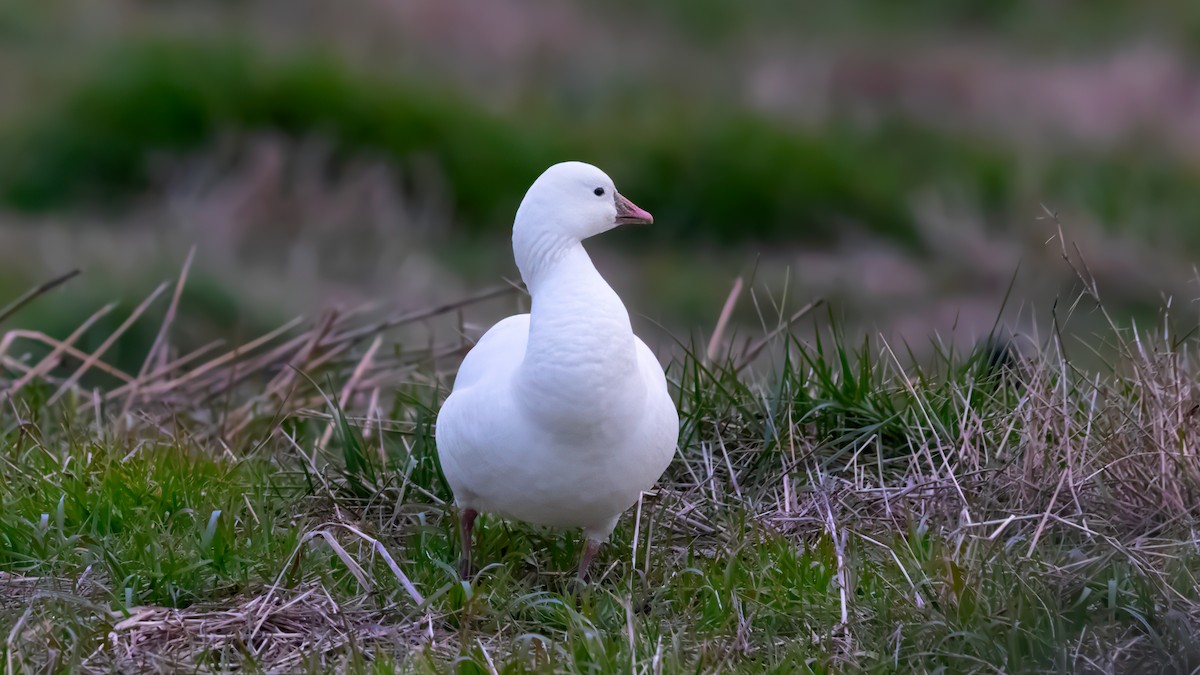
(832, 508)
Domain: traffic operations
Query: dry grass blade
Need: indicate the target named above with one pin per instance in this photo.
(10, 644)
(356, 570)
(47, 364)
(168, 385)
(108, 342)
(348, 390)
(17, 305)
(161, 338)
(295, 631)
(754, 349)
(63, 347)
(360, 575)
(391, 562)
(224, 359)
(723, 321)
(164, 370)
(356, 334)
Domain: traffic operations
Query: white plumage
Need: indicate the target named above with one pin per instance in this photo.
(560, 417)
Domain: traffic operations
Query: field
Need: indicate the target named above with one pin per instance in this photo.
(924, 282)
(832, 507)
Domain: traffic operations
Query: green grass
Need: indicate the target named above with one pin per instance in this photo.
(169, 524)
(843, 509)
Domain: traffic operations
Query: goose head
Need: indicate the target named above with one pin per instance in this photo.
(576, 200)
(569, 202)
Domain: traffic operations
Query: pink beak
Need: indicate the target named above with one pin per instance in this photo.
(629, 213)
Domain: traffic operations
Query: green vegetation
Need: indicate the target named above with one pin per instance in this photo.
(844, 512)
(167, 99)
(709, 174)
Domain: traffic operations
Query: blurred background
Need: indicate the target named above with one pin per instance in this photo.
(896, 159)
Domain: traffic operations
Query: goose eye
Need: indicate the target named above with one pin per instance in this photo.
(599, 192)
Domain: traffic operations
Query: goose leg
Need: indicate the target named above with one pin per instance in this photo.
(590, 547)
(466, 526)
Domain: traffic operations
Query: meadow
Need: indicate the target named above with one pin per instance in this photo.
(924, 283)
(278, 506)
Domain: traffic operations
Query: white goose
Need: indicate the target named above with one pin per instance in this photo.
(560, 417)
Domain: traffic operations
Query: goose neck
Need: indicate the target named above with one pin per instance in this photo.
(540, 253)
